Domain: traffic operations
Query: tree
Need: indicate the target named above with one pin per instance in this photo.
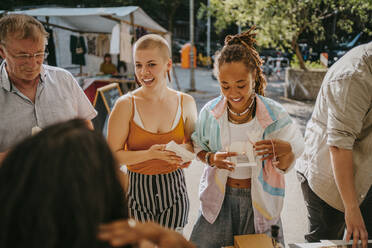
(281, 23)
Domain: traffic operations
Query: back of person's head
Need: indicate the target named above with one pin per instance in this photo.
(21, 27)
(240, 48)
(151, 41)
(57, 187)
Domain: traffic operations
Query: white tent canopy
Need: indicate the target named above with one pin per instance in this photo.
(100, 20)
(67, 21)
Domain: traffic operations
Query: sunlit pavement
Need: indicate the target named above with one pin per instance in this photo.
(294, 212)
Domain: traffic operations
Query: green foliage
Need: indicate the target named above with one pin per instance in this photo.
(281, 23)
(309, 64)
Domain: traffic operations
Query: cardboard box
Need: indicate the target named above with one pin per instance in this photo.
(253, 241)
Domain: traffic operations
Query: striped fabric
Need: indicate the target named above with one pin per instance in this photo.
(161, 198)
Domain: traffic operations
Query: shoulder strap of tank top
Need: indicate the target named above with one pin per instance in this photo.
(132, 98)
(181, 102)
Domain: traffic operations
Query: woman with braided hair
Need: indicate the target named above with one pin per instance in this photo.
(247, 142)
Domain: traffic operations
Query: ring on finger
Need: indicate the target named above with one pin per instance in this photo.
(132, 223)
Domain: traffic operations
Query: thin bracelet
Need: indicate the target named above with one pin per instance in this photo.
(206, 158)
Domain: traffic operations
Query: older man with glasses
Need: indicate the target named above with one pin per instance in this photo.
(33, 95)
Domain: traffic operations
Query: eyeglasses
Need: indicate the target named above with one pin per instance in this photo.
(25, 56)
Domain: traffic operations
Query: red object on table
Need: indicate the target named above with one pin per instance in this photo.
(92, 89)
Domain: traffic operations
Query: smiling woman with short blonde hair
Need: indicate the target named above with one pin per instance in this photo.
(141, 124)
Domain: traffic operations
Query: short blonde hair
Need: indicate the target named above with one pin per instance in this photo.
(152, 41)
(22, 26)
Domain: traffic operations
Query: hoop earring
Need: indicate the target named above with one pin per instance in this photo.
(169, 77)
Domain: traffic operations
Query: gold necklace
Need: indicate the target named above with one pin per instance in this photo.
(244, 120)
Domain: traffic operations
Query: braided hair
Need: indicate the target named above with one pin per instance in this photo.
(240, 48)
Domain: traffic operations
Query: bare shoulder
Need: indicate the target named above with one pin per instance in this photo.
(124, 100)
(189, 106)
(187, 99)
(123, 105)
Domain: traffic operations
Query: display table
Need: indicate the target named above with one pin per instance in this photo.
(327, 244)
(91, 84)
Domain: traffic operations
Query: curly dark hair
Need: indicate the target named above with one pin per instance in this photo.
(57, 187)
(240, 48)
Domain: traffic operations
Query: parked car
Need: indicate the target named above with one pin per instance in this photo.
(274, 68)
(275, 65)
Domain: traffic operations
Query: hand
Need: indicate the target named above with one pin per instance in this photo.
(119, 233)
(219, 160)
(264, 148)
(185, 165)
(355, 226)
(159, 152)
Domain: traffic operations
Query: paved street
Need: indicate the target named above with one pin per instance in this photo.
(294, 212)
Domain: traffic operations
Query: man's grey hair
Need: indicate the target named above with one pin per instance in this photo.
(21, 27)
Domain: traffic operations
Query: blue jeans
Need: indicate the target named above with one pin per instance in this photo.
(326, 222)
(235, 218)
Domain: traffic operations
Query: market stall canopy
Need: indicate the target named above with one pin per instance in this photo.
(96, 20)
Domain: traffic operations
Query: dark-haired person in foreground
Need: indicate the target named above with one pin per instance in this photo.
(244, 195)
(59, 186)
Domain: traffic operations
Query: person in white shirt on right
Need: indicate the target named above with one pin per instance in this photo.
(335, 169)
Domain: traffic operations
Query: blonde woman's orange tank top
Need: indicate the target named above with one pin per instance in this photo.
(141, 139)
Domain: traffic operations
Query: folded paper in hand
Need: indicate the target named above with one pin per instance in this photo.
(180, 151)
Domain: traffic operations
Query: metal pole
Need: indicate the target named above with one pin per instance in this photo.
(192, 74)
(209, 34)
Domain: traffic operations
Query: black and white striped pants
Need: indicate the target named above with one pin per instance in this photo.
(161, 198)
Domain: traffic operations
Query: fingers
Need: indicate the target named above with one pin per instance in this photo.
(224, 155)
(120, 233)
(265, 147)
(117, 233)
(268, 157)
(264, 142)
(360, 234)
(266, 151)
(355, 237)
(357, 234)
(225, 164)
(160, 147)
(185, 165)
(364, 238)
(174, 159)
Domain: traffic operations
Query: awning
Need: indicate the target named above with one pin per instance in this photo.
(99, 20)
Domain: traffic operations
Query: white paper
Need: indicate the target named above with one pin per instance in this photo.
(180, 151)
(245, 156)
